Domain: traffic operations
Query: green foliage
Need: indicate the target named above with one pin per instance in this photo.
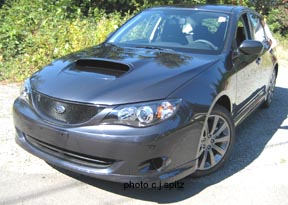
(35, 32)
(278, 20)
(276, 12)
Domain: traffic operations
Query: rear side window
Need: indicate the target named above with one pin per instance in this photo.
(257, 28)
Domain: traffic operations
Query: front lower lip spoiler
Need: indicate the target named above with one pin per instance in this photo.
(161, 177)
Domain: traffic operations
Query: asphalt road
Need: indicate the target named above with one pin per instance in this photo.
(256, 173)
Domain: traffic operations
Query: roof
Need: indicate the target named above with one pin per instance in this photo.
(217, 8)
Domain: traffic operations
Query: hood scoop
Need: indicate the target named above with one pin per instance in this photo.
(106, 68)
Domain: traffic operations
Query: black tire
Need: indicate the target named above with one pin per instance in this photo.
(270, 91)
(216, 143)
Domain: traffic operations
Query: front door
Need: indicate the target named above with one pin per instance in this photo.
(247, 70)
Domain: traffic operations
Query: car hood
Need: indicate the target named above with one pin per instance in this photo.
(109, 75)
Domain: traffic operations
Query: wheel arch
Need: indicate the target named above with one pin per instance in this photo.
(225, 102)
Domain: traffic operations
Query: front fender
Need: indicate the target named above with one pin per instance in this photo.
(204, 91)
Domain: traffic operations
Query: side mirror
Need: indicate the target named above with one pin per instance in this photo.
(251, 47)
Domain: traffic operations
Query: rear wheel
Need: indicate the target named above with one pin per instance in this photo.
(270, 92)
(216, 142)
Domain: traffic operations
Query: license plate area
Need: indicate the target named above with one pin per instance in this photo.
(51, 136)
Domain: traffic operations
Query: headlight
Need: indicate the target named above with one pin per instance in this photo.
(142, 114)
(25, 91)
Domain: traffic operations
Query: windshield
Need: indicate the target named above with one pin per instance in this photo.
(177, 29)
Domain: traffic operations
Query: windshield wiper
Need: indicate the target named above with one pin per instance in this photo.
(154, 48)
(111, 44)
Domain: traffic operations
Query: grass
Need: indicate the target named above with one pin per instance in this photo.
(282, 47)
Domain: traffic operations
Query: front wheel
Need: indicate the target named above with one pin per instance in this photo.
(216, 142)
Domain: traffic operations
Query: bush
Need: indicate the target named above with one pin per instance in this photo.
(35, 32)
(278, 20)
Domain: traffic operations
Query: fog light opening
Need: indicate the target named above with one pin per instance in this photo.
(155, 164)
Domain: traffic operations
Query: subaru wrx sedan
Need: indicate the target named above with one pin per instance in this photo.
(157, 101)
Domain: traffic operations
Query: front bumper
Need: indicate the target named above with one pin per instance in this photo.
(160, 153)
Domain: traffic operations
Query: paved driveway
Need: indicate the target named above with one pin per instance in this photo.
(257, 172)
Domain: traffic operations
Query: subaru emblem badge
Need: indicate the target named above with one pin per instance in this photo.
(60, 109)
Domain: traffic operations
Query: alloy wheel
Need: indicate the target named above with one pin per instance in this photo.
(271, 88)
(214, 142)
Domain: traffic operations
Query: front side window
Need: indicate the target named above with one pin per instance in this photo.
(242, 31)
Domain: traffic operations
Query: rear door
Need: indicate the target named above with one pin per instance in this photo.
(265, 61)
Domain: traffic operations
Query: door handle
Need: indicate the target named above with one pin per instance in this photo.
(258, 60)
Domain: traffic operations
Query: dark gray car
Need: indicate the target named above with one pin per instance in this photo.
(157, 101)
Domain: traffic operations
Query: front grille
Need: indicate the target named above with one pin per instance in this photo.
(62, 111)
(71, 156)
